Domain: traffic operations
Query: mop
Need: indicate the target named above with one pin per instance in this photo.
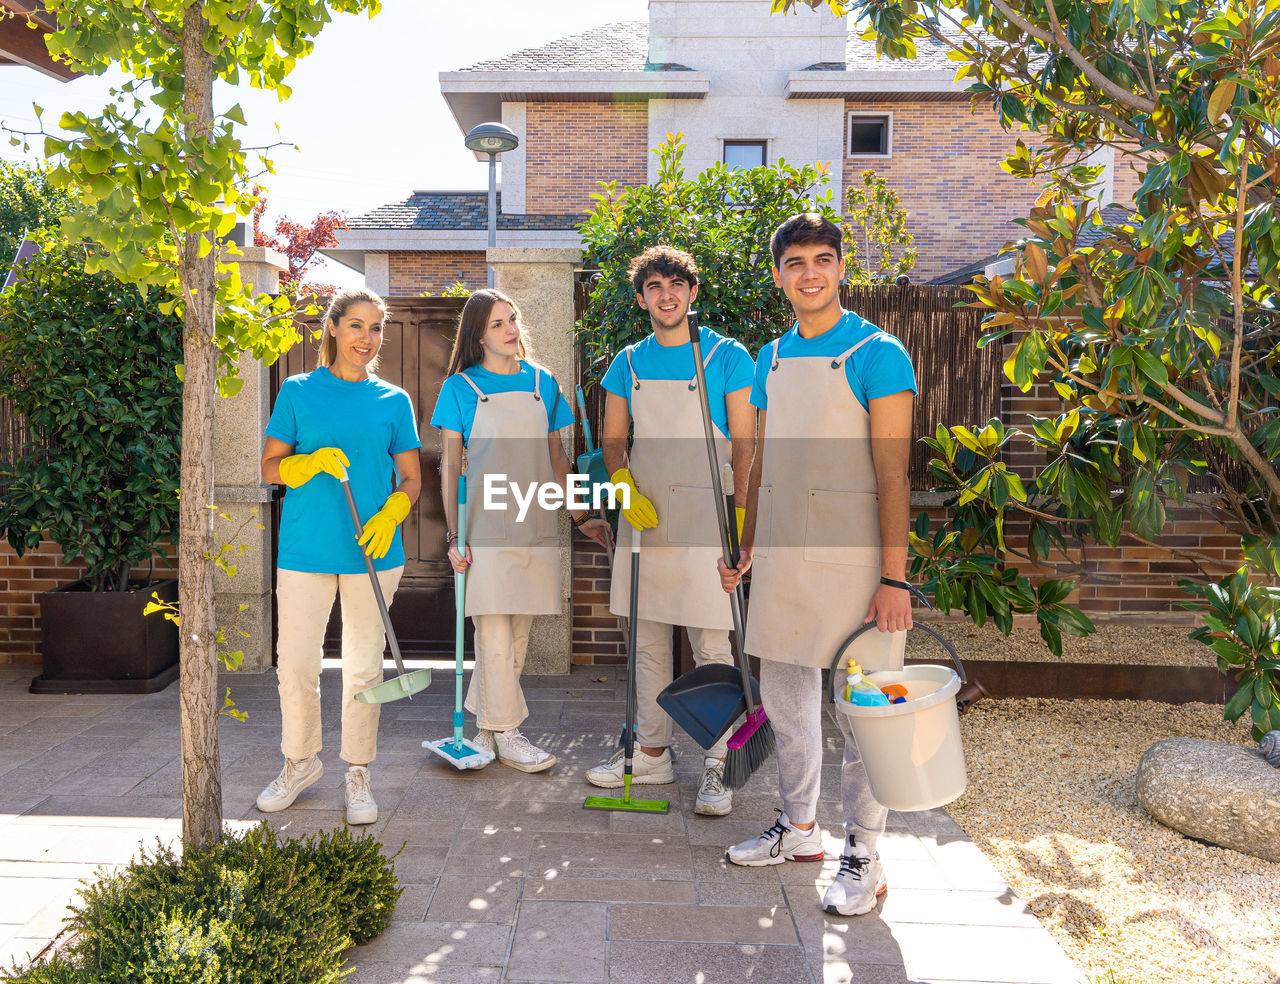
(629, 737)
(405, 684)
(457, 751)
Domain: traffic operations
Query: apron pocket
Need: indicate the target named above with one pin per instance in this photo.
(843, 528)
(691, 516)
(764, 521)
(548, 521)
(486, 525)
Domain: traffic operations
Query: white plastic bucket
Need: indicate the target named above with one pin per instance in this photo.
(911, 750)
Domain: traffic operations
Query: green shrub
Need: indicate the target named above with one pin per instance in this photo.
(92, 367)
(251, 909)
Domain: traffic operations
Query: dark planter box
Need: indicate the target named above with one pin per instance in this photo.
(99, 642)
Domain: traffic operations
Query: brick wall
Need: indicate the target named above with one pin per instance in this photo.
(572, 146)
(1128, 176)
(413, 272)
(597, 635)
(22, 579)
(945, 166)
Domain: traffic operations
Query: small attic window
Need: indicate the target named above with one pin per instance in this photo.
(744, 153)
(868, 135)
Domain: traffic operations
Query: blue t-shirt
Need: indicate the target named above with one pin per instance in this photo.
(456, 406)
(729, 370)
(882, 367)
(370, 421)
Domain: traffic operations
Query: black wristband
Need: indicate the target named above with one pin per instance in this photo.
(905, 586)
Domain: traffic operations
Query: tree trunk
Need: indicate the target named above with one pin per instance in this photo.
(201, 773)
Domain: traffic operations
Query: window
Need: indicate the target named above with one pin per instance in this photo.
(744, 153)
(868, 136)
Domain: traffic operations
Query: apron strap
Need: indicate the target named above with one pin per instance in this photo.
(706, 360)
(839, 360)
(472, 383)
(632, 369)
(773, 357)
(537, 380)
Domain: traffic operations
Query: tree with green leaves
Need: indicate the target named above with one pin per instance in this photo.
(877, 246)
(723, 217)
(28, 202)
(161, 175)
(1157, 325)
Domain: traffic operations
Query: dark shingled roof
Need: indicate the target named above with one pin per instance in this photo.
(454, 210)
(621, 46)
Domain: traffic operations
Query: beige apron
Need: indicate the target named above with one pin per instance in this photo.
(816, 563)
(678, 580)
(516, 566)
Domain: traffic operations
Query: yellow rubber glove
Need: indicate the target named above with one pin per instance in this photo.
(740, 514)
(380, 530)
(298, 469)
(641, 513)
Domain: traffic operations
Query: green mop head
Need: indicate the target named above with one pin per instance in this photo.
(626, 803)
(460, 753)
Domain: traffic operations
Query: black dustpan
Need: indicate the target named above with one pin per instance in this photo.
(707, 697)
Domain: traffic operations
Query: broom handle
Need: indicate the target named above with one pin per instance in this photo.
(373, 576)
(730, 558)
(628, 744)
(586, 424)
(459, 624)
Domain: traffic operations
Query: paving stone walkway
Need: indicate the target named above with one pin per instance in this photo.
(506, 877)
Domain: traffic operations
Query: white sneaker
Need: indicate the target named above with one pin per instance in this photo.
(360, 805)
(296, 776)
(777, 843)
(858, 883)
(517, 751)
(714, 800)
(653, 770)
(484, 741)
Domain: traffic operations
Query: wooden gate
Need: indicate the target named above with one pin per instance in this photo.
(415, 355)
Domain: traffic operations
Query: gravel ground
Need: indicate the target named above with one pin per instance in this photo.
(1051, 801)
(1154, 645)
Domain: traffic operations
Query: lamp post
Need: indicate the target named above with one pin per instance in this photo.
(492, 139)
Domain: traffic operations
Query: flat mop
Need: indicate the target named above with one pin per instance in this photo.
(457, 751)
(405, 684)
(629, 734)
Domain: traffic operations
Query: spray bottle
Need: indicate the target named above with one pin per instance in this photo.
(860, 690)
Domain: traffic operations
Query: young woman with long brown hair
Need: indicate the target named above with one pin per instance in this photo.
(505, 413)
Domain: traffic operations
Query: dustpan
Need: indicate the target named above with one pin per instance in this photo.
(707, 700)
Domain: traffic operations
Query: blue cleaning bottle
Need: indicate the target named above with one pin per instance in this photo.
(860, 690)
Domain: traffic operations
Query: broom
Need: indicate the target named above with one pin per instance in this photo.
(752, 744)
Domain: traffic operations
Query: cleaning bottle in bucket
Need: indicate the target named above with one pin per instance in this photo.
(859, 690)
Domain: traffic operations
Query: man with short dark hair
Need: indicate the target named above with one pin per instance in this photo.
(826, 530)
(653, 383)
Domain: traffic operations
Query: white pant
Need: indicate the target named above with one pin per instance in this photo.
(303, 601)
(653, 673)
(494, 695)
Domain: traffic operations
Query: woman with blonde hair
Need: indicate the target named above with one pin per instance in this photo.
(505, 413)
(338, 421)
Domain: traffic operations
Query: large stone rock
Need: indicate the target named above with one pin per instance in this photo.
(1224, 794)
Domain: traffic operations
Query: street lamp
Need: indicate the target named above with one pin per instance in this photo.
(492, 139)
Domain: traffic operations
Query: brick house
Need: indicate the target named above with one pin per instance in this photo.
(744, 87)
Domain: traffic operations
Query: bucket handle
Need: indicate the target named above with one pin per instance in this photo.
(837, 676)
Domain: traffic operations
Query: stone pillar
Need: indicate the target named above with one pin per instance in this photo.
(242, 499)
(541, 283)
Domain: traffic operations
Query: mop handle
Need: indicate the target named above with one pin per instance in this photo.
(586, 424)
(373, 576)
(730, 556)
(460, 596)
(629, 735)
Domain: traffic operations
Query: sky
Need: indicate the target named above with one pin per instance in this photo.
(366, 110)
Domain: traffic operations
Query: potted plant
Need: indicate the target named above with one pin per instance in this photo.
(92, 367)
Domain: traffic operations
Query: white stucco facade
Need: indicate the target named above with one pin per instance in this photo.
(749, 55)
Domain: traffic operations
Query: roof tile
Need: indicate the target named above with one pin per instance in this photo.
(454, 210)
